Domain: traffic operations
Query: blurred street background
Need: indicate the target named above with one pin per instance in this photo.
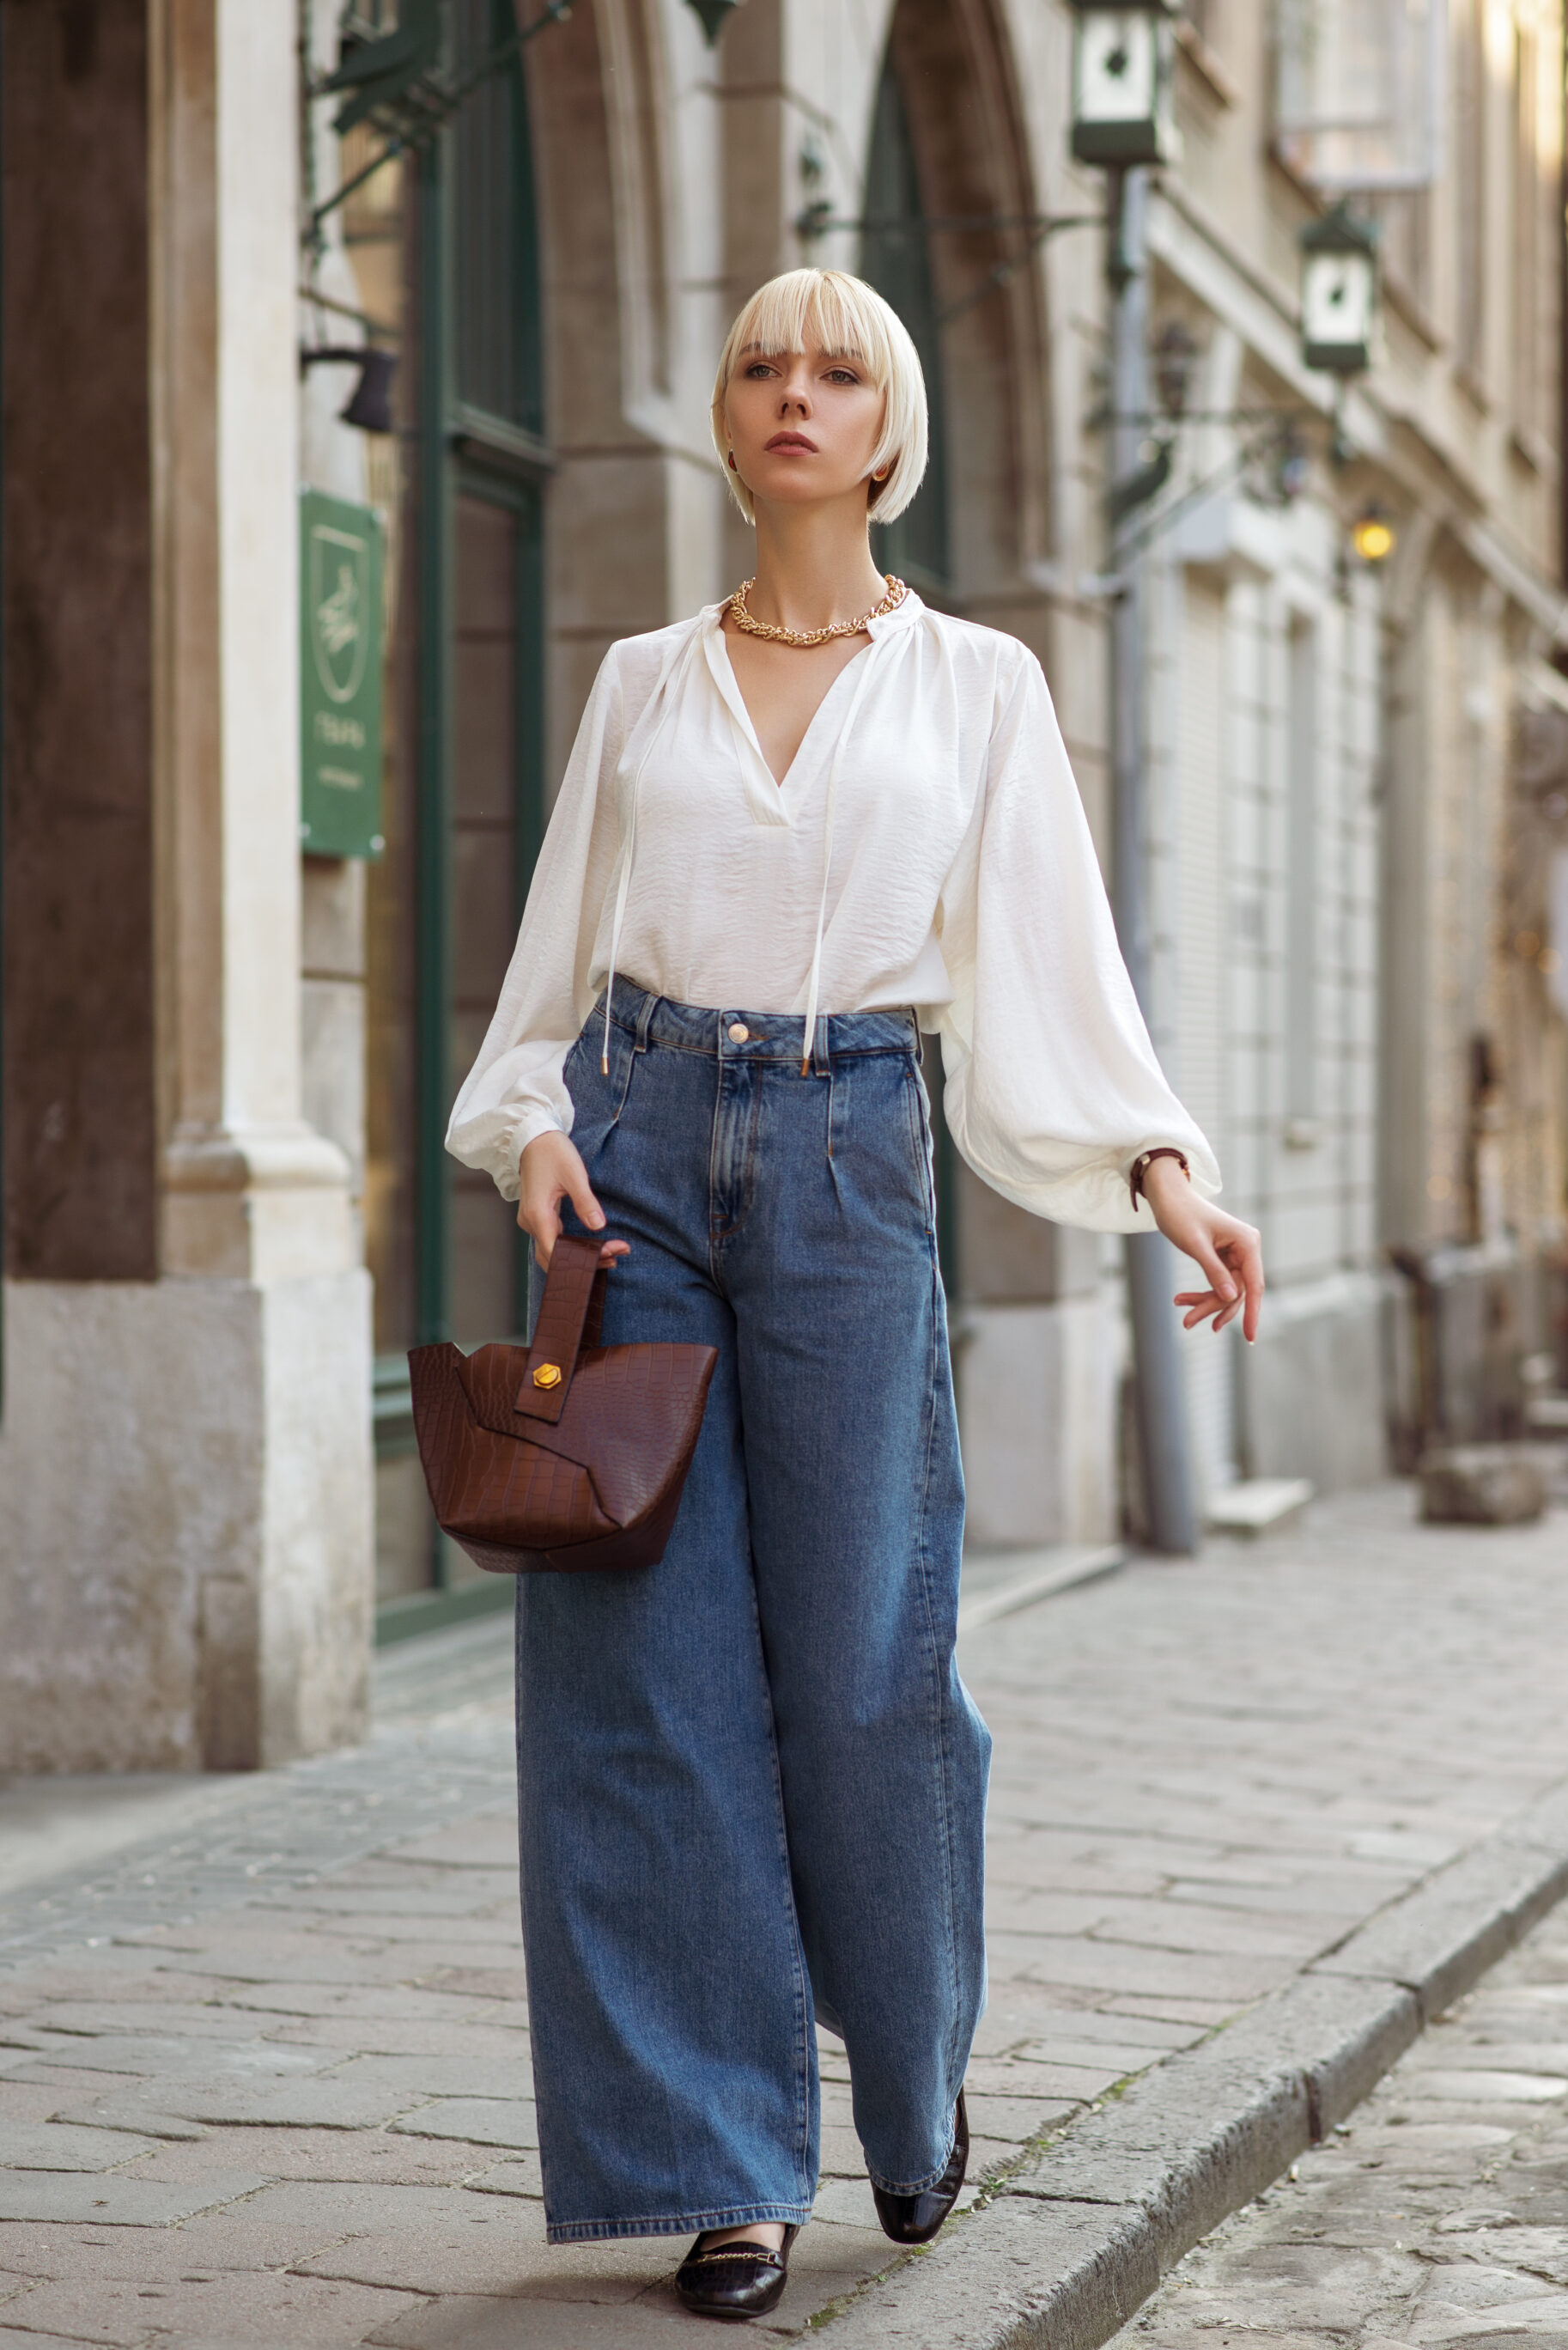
(356, 361)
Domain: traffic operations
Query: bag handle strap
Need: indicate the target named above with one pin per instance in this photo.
(570, 1312)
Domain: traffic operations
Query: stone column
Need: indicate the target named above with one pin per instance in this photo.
(185, 1476)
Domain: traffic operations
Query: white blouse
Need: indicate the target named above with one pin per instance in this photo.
(927, 847)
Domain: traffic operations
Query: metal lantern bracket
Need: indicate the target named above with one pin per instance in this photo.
(371, 407)
(396, 83)
(1135, 489)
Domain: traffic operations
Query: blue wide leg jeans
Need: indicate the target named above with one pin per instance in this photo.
(752, 1783)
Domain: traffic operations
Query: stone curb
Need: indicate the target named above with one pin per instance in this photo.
(1077, 2239)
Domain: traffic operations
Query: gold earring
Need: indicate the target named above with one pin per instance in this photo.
(734, 468)
(881, 473)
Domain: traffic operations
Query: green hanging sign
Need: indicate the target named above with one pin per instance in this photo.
(341, 550)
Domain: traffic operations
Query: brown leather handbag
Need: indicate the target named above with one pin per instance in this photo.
(566, 1454)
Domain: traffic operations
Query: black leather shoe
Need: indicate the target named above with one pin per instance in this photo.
(736, 2280)
(914, 2218)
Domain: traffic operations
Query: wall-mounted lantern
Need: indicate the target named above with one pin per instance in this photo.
(1124, 61)
(1373, 535)
(371, 407)
(714, 14)
(1339, 293)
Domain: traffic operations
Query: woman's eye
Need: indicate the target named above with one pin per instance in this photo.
(842, 375)
(759, 367)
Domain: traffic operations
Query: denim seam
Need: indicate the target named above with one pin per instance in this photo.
(713, 1244)
(629, 1052)
(940, 1680)
(804, 2066)
(677, 2223)
(789, 1059)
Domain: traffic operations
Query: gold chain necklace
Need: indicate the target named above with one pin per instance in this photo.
(741, 617)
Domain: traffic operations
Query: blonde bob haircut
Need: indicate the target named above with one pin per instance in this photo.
(839, 313)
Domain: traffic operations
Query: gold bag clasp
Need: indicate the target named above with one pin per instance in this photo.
(548, 1374)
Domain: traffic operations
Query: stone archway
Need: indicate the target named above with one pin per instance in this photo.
(958, 88)
(594, 94)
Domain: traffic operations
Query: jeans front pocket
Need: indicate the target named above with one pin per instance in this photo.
(593, 1093)
(921, 1146)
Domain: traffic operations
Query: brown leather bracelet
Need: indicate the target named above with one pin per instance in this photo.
(1146, 1160)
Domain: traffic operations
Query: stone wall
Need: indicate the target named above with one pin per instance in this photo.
(184, 1458)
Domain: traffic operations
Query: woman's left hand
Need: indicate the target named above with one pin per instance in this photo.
(1229, 1252)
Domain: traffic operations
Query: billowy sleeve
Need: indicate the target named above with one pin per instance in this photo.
(1053, 1089)
(514, 1090)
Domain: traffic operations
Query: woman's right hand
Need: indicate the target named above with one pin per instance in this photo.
(551, 1170)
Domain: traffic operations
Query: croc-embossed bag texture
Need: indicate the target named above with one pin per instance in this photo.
(566, 1454)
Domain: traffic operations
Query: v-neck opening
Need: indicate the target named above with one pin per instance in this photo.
(736, 701)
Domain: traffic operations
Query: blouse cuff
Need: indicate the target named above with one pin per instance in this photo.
(532, 1121)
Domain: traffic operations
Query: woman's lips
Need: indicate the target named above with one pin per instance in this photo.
(792, 440)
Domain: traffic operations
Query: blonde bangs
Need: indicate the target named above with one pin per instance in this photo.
(849, 319)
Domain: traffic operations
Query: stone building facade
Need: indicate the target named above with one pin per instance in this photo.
(227, 1062)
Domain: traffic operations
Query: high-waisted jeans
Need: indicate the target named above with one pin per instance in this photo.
(752, 1783)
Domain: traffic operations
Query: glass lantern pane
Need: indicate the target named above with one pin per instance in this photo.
(1118, 65)
(1336, 298)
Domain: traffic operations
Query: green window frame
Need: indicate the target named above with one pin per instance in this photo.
(479, 403)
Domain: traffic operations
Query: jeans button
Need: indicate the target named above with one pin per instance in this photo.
(739, 1032)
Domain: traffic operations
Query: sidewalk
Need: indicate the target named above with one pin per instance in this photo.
(265, 2078)
(1436, 2219)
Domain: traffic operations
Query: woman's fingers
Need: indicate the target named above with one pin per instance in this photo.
(543, 1222)
(549, 1172)
(546, 1231)
(1234, 1264)
(1210, 1260)
(580, 1193)
(1252, 1284)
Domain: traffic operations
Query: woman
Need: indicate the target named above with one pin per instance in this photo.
(752, 1783)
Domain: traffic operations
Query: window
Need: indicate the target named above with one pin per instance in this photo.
(896, 260)
(465, 799)
(1536, 289)
(1469, 184)
(1357, 91)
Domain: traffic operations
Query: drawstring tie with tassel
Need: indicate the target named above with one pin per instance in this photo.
(677, 660)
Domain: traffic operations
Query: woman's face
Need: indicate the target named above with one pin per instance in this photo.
(804, 425)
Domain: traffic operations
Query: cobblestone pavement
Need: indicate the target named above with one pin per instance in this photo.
(266, 2079)
(1437, 2216)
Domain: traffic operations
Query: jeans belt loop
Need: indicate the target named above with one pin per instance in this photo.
(639, 1044)
(821, 1054)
